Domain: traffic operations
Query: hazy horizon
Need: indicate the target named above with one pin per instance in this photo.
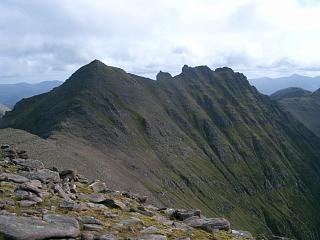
(258, 38)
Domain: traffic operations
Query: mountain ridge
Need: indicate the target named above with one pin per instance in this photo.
(200, 132)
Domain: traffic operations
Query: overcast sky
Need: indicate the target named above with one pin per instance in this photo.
(46, 40)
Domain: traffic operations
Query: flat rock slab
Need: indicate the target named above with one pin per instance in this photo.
(43, 175)
(151, 237)
(10, 177)
(25, 228)
(28, 163)
(95, 198)
(208, 224)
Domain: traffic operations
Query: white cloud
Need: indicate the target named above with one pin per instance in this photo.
(41, 40)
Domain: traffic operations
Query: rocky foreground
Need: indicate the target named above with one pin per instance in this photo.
(41, 203)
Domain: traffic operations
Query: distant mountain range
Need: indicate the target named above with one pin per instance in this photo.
(202, 139)
(10, 94)
(268, 85)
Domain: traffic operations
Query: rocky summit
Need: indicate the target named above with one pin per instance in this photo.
(203, 139)
(39, 203)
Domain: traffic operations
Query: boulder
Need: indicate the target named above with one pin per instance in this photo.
(98, 186)
(114, 203)
(69, 173)
(26, 228)
(208, 224)
(182, 214)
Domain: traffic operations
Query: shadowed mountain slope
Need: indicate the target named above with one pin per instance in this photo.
(305, 107)
(291, 92)
(203, 139)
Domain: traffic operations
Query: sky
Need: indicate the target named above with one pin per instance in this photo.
(49, 40)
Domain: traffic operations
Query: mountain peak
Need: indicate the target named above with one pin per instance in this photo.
(163, 75)
(97, 62)
(224, 70)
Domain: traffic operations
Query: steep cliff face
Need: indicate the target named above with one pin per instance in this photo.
(203, 139)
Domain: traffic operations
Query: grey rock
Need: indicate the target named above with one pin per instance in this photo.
(69, 173)
(27, 203)
(95, 198)
(35, 183)
(239, 233)
(62, 193)
(30, 188)
(182, 214)
(68, 205)
(13, 178)
(21, 194)
(149, 230)
(92, 227)
(71, 205)
(109, 214)
(87, 235)
(114, 203)
(25, 195)
(43, 175)
(28, 163)
(130, 222)
(208, 224)
(167, 211)
(98, 186)
(152, 237)
(107, 237)
(90, 220)
(142, 210)
(26, 228)
(97, 206)
(6, 202)
(181, 225)
(35, 198)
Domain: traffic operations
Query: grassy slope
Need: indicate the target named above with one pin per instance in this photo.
(202, 139)
(306, 109)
